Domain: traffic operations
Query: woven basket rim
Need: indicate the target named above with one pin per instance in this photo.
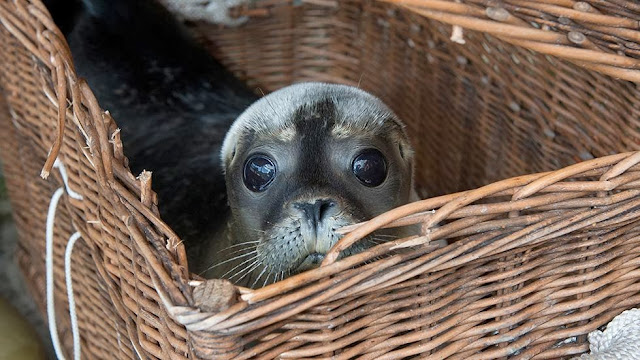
(604, 188)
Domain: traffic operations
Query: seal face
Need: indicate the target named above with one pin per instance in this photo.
(299, 164)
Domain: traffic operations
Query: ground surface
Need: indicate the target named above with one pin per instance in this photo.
(12, 286)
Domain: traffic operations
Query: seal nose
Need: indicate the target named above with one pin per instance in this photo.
(317, 211)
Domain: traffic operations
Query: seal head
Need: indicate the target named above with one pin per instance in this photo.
(299, 164)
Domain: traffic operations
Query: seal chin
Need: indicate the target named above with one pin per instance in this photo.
(312, 261)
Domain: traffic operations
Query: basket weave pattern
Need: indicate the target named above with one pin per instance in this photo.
(542, 113)
(535, 262)
(111, 277)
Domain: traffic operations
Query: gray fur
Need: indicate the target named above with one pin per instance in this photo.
(359, 111)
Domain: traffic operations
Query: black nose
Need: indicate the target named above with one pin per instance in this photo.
(316, 211)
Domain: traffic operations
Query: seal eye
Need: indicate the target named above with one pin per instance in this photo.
(259, 172)
(370, 167)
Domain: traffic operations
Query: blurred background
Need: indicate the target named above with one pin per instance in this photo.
(22, 328)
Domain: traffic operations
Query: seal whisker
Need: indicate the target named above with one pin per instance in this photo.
(243, 249)
(375, 241)
(229, 260)
(267, 279)
(247, 269)
(257, 264)
(240, 244)
(244, 268)
(236, 251)
(237, 266)
(385, 236)
(373, 238)
(259, 276)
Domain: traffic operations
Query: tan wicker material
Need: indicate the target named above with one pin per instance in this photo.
(535, 262)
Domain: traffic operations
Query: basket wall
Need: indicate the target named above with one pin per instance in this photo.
(477, 113)
(114, 300)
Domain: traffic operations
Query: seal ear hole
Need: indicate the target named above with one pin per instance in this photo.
(401, 149)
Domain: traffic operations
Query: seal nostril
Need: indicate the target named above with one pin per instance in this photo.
(324, 206)
(317, 211)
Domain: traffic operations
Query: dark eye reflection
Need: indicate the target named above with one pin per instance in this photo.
(259, 172)
(370, 167)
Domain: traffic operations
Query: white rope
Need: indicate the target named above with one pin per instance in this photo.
(72, 302)
(65, 178)
(51, 315)
(619, 341)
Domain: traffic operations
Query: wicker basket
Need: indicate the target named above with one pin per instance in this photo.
(534, 263)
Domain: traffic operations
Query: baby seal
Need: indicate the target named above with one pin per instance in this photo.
(299, 164)
(257, 191)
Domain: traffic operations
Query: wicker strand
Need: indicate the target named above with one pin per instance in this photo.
(61, 90)
(522, 33)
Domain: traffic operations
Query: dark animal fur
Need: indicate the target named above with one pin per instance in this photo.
(172, 100)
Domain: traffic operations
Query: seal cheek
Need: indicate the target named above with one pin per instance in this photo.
(326, 237)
